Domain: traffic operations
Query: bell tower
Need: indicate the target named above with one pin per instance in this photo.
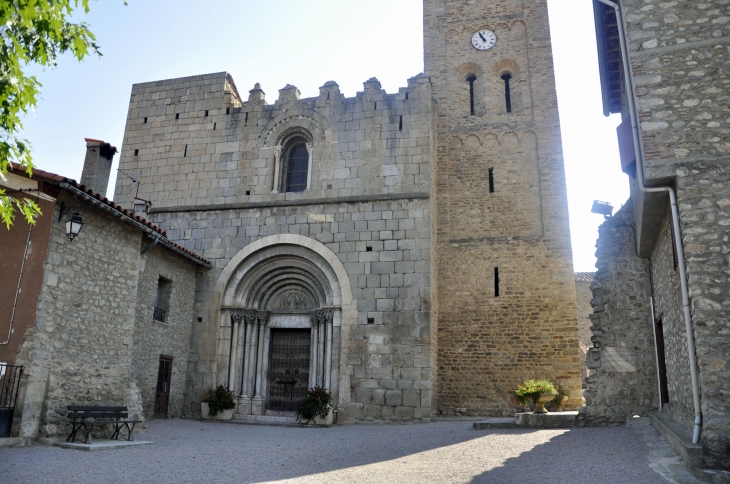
(505, 291)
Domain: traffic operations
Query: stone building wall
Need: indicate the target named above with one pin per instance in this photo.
(79, 350)
(668, 308)
(487, 344)
(679, 57)
(622, 363)
(172, 337)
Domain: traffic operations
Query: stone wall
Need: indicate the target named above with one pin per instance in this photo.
(679, 57)
(622, 363)
(188, 146)
(172, 337)
(517, 224)
(79, 349)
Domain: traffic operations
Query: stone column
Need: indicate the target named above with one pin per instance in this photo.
(257, 404)
(310, 151)
(320, 349)
(328, 352)
(236, 318)
(248, 361)
(313, 350)
(277, 167)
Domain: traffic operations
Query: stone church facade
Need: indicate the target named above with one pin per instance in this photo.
(409, 251)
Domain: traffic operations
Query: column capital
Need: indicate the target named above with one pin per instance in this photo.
(262, 316)
(323, 315)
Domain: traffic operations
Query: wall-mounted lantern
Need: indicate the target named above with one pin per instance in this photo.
(602, 208)
(74, 224)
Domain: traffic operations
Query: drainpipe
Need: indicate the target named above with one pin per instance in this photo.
(629, 79)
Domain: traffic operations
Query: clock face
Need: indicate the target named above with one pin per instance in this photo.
(483, 39)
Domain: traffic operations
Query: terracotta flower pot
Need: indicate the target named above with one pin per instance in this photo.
(541, 401)
(221, 415)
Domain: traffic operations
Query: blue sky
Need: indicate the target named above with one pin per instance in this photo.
(306, 43)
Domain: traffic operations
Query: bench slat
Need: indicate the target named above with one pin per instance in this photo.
(96, 408)
(98, 415)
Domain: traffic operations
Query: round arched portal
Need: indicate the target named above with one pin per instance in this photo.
(283, 300)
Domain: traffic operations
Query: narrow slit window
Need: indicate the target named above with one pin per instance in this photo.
(177, 115)
(145, 120)
(162, 299)
(491, 180)
(136, 152)
(206, 112)
(507, 95)
(245, 121)
(376, 105)
(406, 94)
(214, 125)
(185, 153)
(328, 95)
(496, 282)
(228, 110)
(471, 80)
(400, 124)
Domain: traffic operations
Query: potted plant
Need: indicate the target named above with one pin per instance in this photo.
(316, 409)
(538, 392)
(218, 405)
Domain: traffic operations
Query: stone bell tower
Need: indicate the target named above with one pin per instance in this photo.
(505, 285)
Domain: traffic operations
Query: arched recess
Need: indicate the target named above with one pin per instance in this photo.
(280, 283)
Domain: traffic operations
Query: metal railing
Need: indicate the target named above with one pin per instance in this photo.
(160, 315)
(9, 389)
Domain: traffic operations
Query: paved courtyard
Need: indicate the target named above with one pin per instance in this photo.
(443, 452)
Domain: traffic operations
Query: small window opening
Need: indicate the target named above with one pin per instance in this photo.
(371, 320)
(228, 110)
(406, 94)
(328, 95)
(507, 96)
(145, 120)
(368, 249)
(177, 115)
(471, 80)
(376, 105)
(185, 153)
(400, 124)
(496, 282)
(206, 112)
(136, 152)
(491, 180)
(214, 125)
(162, 299)
(200, 320)
(248, 192)
(245, 120)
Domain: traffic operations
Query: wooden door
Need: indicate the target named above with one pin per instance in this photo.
(288, 368)
(164, 375)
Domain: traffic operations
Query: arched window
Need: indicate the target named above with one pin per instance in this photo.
(471, 80)
(507, 95)
(296, 167)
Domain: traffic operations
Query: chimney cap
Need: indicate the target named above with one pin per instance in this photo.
(101, 142)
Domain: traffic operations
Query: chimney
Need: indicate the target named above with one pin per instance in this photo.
(97, 165)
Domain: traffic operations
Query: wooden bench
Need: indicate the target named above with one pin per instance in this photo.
(86, 417)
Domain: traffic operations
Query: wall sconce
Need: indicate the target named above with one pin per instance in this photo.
(74, 224)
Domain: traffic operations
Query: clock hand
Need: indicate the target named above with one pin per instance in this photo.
(482, 37)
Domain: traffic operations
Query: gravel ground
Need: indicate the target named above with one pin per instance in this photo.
(448, 452)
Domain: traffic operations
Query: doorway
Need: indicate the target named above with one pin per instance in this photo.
(288, 369)
(162, 397)
(661, 363)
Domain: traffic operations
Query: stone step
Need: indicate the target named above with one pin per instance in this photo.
(550, 420)
(287, 420)
(495, 423)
